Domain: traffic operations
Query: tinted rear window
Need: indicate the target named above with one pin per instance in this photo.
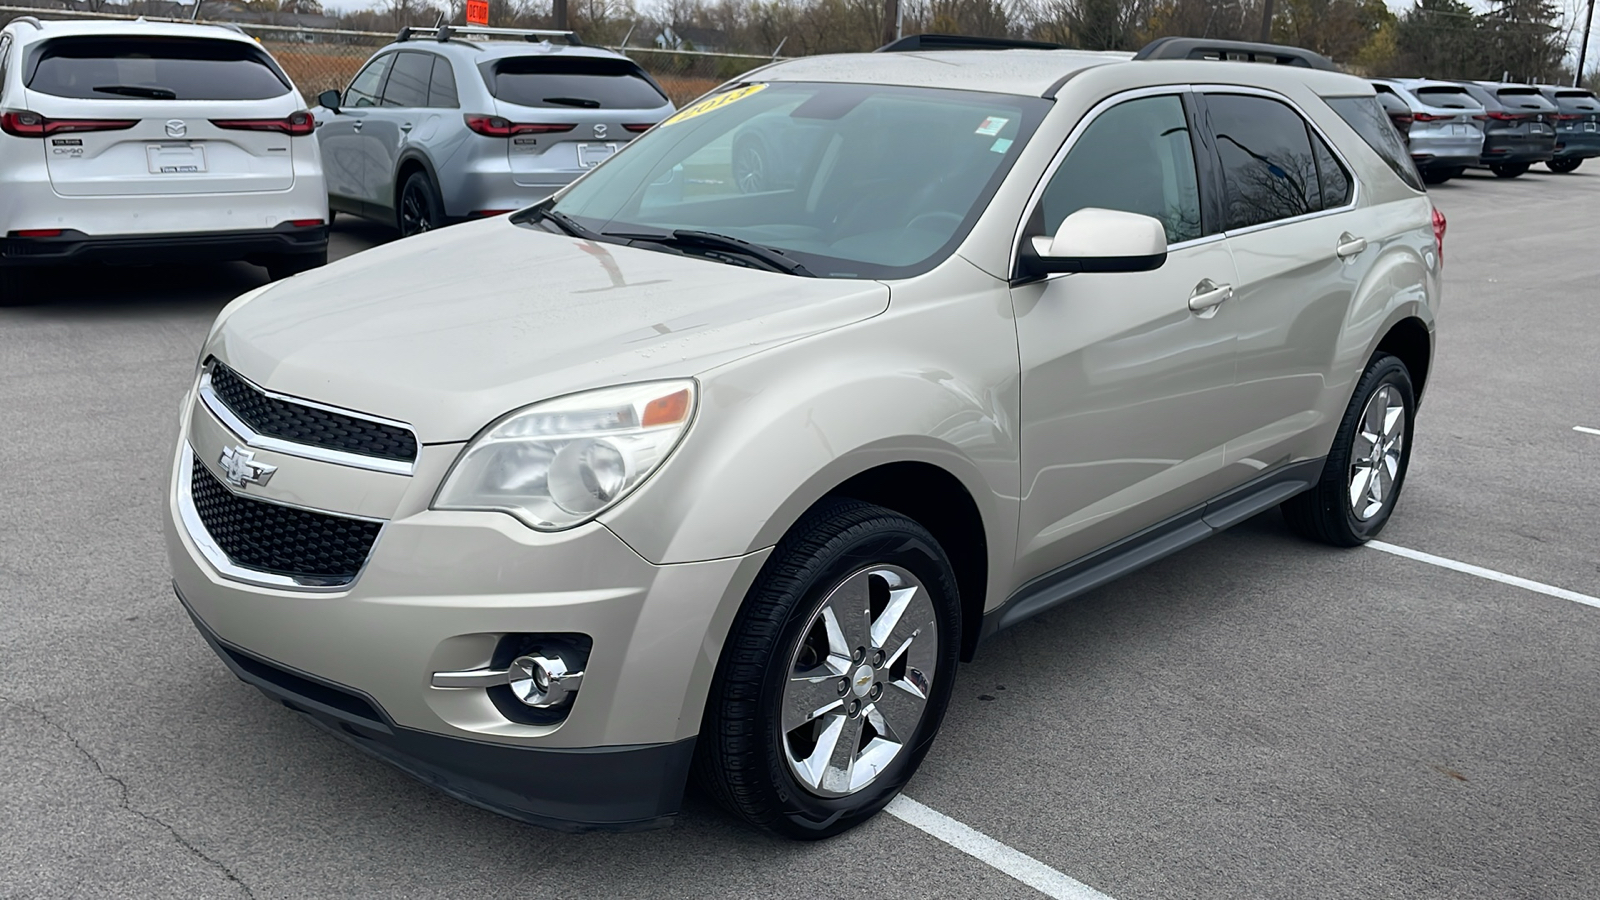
(1367, 118)
(1577, 101)
(108, 68)
(572, 83)
(1447, 97)
(1523, 98)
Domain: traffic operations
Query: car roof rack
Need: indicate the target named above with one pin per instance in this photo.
(912, 43)
(1242, 51)
(30, 20)
(443, 33)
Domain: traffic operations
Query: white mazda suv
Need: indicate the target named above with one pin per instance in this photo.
(130, 142)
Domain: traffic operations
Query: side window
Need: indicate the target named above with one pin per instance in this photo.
(442, 87)
(364, 89)
(408, 82)
(1367, 118)
(1335, 181)
(5, 58)
(1134, 157)
(1268, 169)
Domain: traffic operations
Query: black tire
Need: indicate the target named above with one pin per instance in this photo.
(14, 287)
(1435, 176)
(1324, 513)
(1508, 170)
(740, 757)
(419, 208)
(291, 264)
(752, 166)
(1563, 166)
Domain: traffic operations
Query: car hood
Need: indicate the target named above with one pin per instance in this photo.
(450, 330)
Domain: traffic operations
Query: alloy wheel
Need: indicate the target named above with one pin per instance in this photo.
(416, 213)
(1375, 454)
(750, 168)
(859, 681)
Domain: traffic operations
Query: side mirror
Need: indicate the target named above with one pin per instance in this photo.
(329, 100)
(1098, 240)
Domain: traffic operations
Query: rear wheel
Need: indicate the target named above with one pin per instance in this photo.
(1366, 466)
(1563, 166)
(420, 209)
(1508, 170)
(750, 169)
(835, 675)
(291, 264)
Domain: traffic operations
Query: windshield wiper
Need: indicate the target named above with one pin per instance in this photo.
(134, 90)
(563, 221)
(574, 101)
(685, 238)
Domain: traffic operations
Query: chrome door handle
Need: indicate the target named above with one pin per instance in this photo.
(1209, 295)
(1350, 245)
(357, 125)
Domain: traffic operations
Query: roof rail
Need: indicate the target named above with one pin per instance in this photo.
(29, 20)
(1246, 51)
(912, 43)
(443, 33)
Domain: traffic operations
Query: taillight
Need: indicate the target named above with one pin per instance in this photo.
(637, 128)
(297, 124)
(498, 126)
(37, 233)
(1430, 117)
(1568, 117)
(21, 123)
(1502, 116)
(1438, 231)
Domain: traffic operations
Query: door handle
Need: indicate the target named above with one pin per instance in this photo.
(1209, 295)
(406, 127)
(357, 125)
(1350, 245)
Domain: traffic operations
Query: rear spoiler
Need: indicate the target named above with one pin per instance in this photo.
(443, 33)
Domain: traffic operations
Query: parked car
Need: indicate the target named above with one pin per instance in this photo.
(1518, 126)
(135, 142)
(552, 508)
(1399, 114)
(436, 128)
(1577, 126)
(1446, 132)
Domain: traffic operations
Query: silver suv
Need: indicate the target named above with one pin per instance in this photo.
(551, 509)
(446, 124)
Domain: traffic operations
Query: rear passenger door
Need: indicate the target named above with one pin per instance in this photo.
(1289, 214)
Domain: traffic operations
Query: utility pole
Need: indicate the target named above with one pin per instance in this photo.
(558, 9)
(891, 22)
(1583, 48)
(1266, 21)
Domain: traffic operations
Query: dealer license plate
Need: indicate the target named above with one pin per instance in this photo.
(175, 159)
(591, 155)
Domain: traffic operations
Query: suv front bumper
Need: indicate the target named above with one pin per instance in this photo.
(439, 592)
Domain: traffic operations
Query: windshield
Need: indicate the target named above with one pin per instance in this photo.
(849, 180)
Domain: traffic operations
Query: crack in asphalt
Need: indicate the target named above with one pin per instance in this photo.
(124, 801)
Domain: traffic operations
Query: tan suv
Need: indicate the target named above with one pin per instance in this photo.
(680, 471)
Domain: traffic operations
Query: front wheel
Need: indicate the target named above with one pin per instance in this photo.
(835, 675)
(1366, 466)
(1563, 166)
(420, 209)
(1508, 170)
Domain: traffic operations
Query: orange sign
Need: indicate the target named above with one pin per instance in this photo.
(477, 12)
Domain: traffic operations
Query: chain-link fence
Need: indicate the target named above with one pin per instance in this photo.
(319, 59)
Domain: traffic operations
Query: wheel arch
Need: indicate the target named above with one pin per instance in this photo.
(411, 161)
(1410, 340)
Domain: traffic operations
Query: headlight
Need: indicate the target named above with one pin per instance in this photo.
(562, 462)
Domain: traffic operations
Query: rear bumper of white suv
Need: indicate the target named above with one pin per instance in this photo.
(73, 246)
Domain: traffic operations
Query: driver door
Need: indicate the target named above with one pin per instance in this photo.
(344, 149)
(1126, 391)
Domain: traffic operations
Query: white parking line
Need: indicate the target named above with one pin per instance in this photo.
(985, 849)
(1586, 430)
(1490, 574)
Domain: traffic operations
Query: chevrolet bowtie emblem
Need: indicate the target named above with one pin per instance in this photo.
(239, 466)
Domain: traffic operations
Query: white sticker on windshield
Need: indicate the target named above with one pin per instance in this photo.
(1000, 145)
(991, 126)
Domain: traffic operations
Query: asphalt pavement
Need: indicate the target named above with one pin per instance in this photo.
(1254, 717)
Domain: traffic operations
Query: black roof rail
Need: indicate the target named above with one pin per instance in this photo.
(1245, 51)
(444, 33)
(912, 43)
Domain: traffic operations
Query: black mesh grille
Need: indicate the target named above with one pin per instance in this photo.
(309, 425)
(278, 539)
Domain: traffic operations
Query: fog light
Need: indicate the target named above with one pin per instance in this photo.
(542, 681)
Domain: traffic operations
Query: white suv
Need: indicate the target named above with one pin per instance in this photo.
(124, 141)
